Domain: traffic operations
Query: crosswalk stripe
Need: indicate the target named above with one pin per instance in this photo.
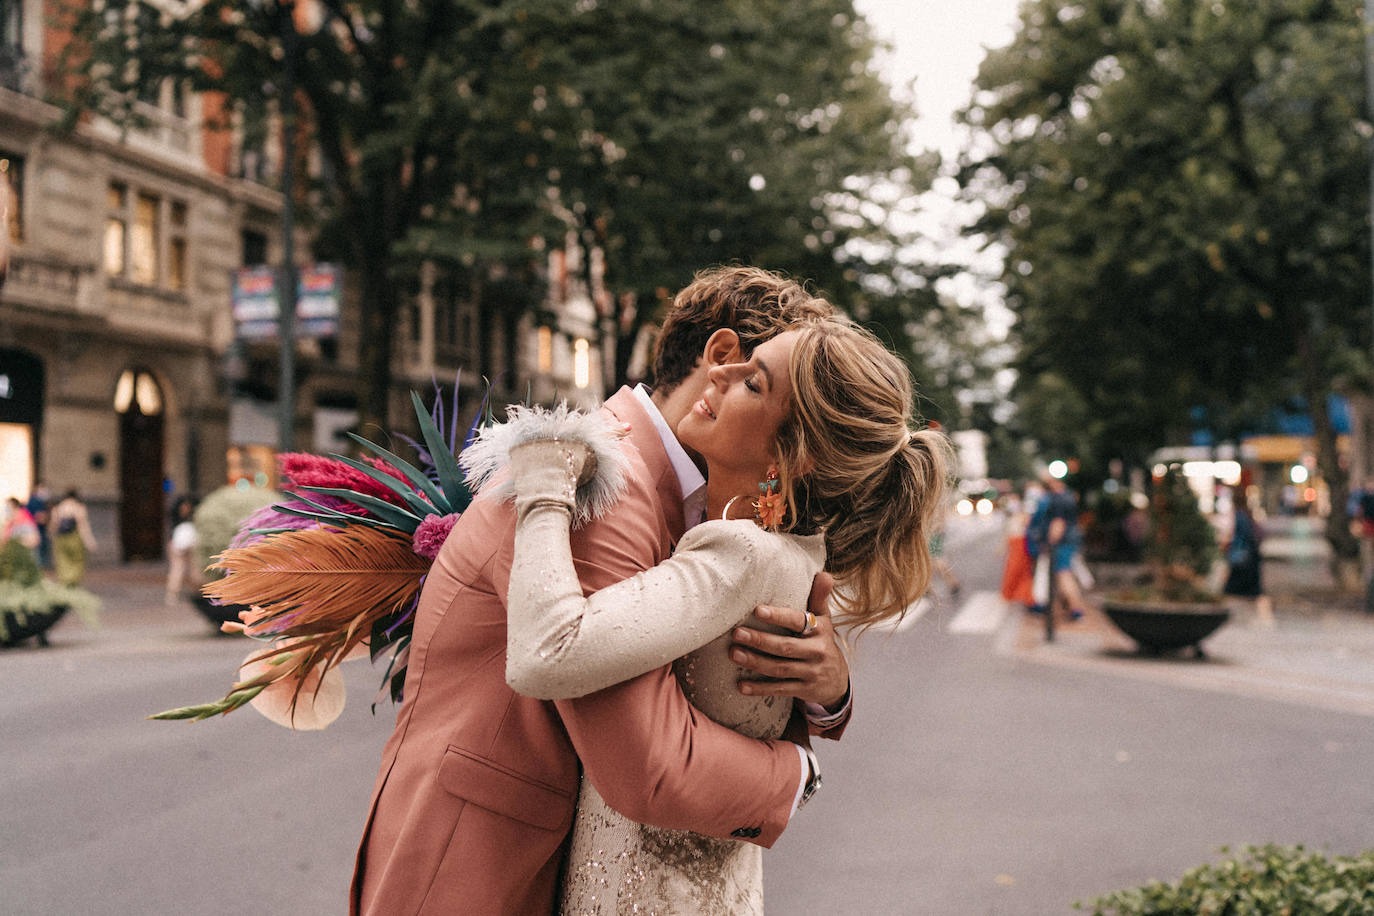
(983, 612)
(913, 614)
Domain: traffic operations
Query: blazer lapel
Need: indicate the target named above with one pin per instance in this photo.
(625, 407)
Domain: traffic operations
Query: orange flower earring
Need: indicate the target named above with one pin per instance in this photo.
(770, 507)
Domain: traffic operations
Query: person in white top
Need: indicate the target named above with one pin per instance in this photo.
(182, 571)
(811, 464)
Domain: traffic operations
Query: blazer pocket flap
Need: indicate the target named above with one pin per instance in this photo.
(490, 785)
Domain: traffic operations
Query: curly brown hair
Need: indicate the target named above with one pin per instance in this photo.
(756, 304)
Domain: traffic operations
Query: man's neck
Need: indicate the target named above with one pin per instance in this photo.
(674, 406)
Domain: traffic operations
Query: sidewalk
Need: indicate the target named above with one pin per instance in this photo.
(1317, 649)
(132, 607)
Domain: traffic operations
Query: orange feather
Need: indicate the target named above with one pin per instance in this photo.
(319, 589)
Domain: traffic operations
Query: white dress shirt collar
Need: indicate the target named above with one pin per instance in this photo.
(689, 476)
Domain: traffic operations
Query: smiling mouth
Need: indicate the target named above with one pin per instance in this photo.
(706, 408)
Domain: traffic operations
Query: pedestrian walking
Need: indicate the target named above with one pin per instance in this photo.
(1054, 533)
(1243, 558)
(19, 525)
(39, 507)
(1018, 569)
(72, 538)
(938, 564)
(181, 566)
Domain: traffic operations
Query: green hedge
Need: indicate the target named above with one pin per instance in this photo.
(1261, 881)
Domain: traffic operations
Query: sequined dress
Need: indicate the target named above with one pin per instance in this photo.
(561, 644)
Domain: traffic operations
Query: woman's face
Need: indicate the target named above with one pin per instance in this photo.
(735, 423)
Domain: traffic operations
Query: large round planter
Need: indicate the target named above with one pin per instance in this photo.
(32, 625)
(1159, 626)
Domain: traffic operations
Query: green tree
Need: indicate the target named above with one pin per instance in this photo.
(669, 135)
(755, 131)
(406, 105)
(1181, 190)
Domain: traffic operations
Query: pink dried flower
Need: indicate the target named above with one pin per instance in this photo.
(269, 517)
(304, 470)
(431, 534)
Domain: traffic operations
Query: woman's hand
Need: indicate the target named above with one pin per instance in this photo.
(809, 665)
(549, 469)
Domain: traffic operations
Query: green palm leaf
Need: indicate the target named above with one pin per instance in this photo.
(412, 473)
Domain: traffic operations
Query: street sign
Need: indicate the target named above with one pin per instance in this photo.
(256, 304)
(317, 301)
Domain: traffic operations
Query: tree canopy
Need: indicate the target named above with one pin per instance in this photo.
(670, 135)
(1182, 189)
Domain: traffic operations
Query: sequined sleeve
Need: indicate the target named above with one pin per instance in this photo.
(561, 644)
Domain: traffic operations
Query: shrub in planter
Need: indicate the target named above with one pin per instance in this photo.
(29, 604)
(1261, 881)
(1174, 609)
(217, 520)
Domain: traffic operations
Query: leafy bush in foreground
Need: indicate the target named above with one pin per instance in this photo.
(1261, 881)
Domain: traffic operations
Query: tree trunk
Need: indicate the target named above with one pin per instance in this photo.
(511, 313)
(1316, 389)
(486, 334)
(380, 312)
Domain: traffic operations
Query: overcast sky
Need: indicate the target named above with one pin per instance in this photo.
(939, 43)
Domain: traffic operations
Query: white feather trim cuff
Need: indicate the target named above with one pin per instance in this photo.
(490, 452)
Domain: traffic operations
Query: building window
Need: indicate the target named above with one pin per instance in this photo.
(12, 24)
(12, 183)
(582, 363)
(254, 248)
(143, 260)
(115, 230)
(144, 232)
(545, 359)
(13, 65)
(137, 388)
(176, 248)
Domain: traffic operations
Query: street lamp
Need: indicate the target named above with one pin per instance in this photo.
(286, 299)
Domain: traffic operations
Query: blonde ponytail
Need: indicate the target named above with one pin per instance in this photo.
(851, 467)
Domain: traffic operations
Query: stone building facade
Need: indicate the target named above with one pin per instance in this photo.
(121, 375)
(114, 314)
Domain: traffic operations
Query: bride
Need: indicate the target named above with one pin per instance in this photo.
(811, 464)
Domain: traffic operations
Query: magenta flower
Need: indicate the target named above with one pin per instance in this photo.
(432, 533)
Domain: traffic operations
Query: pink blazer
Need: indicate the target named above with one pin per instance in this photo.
(475, 795)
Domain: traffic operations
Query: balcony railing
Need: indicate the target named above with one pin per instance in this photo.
(47, 281)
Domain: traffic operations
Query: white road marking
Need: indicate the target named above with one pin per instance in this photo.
(913, 614)
(983, 612)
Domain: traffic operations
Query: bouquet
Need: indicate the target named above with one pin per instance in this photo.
(336, 571)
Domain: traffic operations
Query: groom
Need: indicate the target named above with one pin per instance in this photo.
(477, 786)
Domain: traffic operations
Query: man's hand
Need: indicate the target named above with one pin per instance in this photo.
(810, 667)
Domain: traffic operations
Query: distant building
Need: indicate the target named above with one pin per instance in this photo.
(114, 314)
(123, 372)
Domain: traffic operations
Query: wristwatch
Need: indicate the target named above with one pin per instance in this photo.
(813, 778)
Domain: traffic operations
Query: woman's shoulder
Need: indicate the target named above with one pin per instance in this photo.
(752, 544)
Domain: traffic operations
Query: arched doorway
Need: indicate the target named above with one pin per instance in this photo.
(139, 403)
(21, 417)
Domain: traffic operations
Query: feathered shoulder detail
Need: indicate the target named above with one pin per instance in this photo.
(489, 453)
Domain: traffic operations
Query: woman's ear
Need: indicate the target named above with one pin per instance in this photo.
(722, 348)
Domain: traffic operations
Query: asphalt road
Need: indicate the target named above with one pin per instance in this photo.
(971, 781)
